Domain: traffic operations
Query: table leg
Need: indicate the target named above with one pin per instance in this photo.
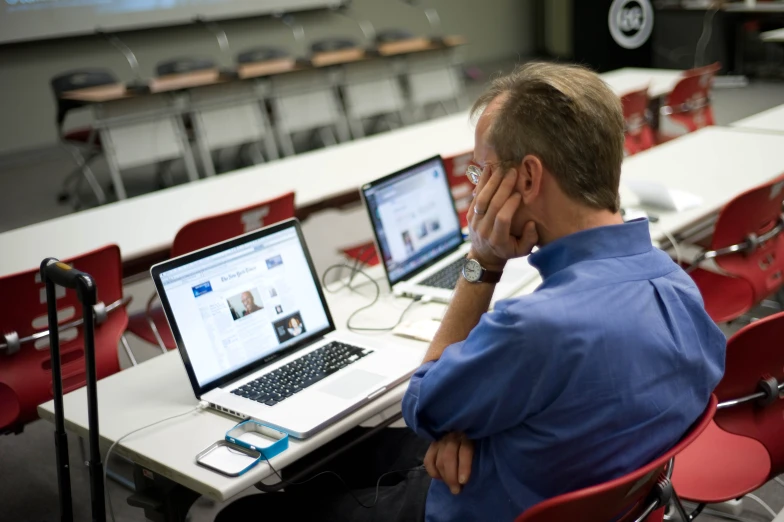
(114, 166)
(162, 500)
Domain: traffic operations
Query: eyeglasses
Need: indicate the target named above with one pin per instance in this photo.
(474, 172)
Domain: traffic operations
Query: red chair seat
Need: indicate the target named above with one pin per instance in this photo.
(363, 252)
(726, 298)
(138, 325)
(720, 466)
(82, 135)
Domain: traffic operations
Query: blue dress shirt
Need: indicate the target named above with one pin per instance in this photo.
(599, 371)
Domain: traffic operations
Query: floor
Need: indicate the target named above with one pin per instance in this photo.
(28, 189)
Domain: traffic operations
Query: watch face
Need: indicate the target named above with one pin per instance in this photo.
(472, 270)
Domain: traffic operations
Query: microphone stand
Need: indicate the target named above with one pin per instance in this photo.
(299, 36)
(437, 35)
(223, 44)
(368, 30)
(137, 85)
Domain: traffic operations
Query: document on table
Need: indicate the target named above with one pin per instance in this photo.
(656, 194)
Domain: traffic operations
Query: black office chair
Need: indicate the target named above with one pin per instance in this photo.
(183, 65)
(83, 143)
(329, 45)
(262, 54)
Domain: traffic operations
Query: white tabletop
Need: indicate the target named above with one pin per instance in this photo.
(159, 388)
(629, 79)
(715, 163)
(147, 224)
(770, 120)
(775, 36)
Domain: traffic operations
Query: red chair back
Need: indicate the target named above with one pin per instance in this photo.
(636, 115)
(753, 213)
(26, 376)
(753, 353)
(461, 186)
(214, 229)
(690, 98)
(627, 495)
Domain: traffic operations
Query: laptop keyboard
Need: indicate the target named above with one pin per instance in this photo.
(279, 385)
(446, 277)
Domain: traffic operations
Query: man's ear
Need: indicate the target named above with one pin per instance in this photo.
(529, 178)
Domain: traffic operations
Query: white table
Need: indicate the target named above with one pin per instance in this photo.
(659, 81)
(159, 388)
(770, 120)
(146, 225)
(775, 36)
(716, 163)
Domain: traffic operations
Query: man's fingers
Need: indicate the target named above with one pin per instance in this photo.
(528, 241)
(465, 459)
(430, 461)
(502, 194)
(486, 193)
(502, 225)
(447, 463)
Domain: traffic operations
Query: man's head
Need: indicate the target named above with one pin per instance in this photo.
(561, 128)
(248, 302)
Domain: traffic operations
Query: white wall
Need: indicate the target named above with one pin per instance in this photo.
(496, 29)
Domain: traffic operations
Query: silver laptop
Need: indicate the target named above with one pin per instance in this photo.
(418, 236)
(258, 340)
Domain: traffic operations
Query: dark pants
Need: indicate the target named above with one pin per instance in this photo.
(401, 496)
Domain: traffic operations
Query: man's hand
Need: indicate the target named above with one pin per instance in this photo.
(449, 459)
(490, 220)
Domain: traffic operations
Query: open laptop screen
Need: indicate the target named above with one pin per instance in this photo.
(243, 303)
(414, 218)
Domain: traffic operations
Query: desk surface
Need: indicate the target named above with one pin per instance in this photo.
(148, 223)
(716, 163)
(159, 388)
(775, 36)
(629, 79)
(770, 120)
(202, 78)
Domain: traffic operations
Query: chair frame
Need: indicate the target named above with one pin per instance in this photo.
(768, 394)
(750, 245)
(11, 343)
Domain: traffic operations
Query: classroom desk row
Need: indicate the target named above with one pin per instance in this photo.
(716, 163)
(145, 226)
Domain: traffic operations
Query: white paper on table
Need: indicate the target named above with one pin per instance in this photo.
(656, 194)
(422, 330)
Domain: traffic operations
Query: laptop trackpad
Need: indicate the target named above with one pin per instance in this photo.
(353, 384)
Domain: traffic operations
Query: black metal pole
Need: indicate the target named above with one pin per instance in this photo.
(60, 437)
(88, 298)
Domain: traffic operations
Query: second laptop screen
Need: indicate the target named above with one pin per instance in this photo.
(414, 218)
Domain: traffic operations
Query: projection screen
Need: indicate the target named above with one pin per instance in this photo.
(40, 19)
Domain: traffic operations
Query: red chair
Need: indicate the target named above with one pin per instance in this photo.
(748, 246)
(639, 496)
(25, 365)
(151, 325)
(637, 117)
(462, 188)
(689, 104)
(743, 447)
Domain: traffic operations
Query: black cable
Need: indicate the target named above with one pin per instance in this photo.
(356, 269)
(348, 489)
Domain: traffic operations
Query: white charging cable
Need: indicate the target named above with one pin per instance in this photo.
(202, 405)
(674, 242)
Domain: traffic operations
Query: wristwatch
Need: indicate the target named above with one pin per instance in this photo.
(476, 273)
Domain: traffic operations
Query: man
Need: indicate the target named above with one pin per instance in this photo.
(599, 371)
(249, 303)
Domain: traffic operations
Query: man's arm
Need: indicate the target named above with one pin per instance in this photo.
(490, 217)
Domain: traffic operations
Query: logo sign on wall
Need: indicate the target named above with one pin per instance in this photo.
(631, 22)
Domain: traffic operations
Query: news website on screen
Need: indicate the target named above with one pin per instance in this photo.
(244, 304)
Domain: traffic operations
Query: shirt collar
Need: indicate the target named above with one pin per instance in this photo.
(605, 242)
